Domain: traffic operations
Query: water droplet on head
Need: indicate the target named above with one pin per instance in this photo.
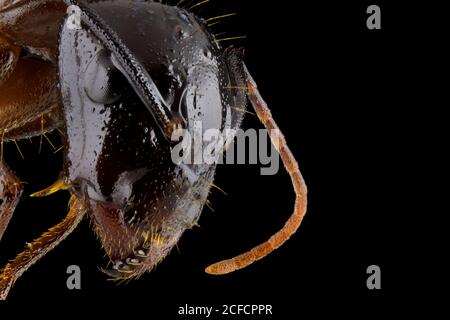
(207, 53)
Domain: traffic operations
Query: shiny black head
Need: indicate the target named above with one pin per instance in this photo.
(129, 74)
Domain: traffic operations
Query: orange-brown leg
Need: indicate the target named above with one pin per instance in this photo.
(41, 246)
(291, 226)
(10, 192)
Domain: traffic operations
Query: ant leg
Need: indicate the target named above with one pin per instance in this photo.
(291, 226)
(41, 246)
(10, 192)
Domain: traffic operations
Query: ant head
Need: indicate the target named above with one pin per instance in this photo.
(126, 76)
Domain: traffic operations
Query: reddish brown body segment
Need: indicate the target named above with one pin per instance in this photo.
(30, 104)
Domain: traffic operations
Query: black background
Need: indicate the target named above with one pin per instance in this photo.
(338, 91)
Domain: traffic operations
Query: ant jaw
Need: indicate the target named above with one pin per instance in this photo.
(57, 186)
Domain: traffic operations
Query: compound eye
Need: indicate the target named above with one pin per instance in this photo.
(103, 82)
